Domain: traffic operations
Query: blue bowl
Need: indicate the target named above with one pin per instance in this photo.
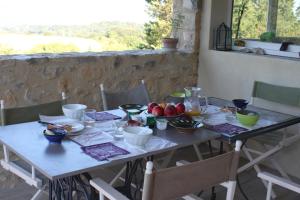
(55, 138)
(240, 103)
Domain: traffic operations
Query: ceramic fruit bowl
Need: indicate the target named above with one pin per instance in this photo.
(247, 117)
(185, 125)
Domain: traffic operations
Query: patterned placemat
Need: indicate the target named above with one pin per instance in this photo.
(226, 129)
(104, 116)
(104, 151)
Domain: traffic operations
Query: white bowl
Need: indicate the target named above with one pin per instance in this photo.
(74, 111)
(136, 135)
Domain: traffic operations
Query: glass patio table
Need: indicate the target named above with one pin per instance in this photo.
(66, 162)
(272, 121)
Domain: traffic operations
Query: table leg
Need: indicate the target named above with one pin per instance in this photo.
(131, 175)
(69, 187)
(50, 190)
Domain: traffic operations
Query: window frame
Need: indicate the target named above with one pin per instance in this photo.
(270, 48)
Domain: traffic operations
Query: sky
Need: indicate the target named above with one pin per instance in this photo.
(70, 12)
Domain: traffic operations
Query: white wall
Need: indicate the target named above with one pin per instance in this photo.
(231, 75)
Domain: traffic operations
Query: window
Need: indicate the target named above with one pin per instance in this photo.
(267, 20)
(56, 26)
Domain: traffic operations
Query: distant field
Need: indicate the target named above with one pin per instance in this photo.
(25, 42)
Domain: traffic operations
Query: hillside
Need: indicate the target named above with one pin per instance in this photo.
(104, 36)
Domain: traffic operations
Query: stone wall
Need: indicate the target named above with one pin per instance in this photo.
(27, 80)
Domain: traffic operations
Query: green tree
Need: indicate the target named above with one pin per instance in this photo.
(159, 26)
(288, 24)
(54, 48)
(238, 11)
(6, 50)
(298, 13)
(254, 19)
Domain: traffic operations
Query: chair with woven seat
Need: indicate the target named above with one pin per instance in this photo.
(136, 95)
(272, 142)
(183, 180)
(17, 115)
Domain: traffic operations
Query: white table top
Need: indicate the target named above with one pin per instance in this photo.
(58, 161)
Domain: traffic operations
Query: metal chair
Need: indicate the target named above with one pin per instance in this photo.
(183, 180)
(272, 142)
(111, 100)
(138, 95)
(276, 180)
(17, 115)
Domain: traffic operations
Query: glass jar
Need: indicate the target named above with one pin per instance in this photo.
(195, 102)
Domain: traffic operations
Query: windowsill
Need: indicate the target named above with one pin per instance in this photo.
(257, 55)
(96, 54)
(273, 49)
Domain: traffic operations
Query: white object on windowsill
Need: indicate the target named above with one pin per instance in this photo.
(293, 51)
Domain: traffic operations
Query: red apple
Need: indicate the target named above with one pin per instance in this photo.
(158, 111)
(170, 110)
(151, 106)
(180, 108)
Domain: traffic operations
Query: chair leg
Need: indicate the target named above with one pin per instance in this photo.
(279, 169)
(257, 169)
(198, 153)
(167, 160)
(38, 194)
(276, 164)
(101, 196)
(269, 192)
(231, 190)
(6, 154)
(114, 180)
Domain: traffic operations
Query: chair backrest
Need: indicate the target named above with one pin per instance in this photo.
(279, 94)
(175, 182)
(137, 95)
(30, 113)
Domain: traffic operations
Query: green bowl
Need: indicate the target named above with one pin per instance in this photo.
(247, 118)
(178, 94)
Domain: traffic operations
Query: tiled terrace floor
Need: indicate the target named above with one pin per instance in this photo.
(252, 186)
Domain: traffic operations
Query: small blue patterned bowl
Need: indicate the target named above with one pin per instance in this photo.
(54, 137)
(240, 103)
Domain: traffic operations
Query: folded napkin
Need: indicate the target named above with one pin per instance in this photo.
(103, 151)
(226, 129)
(104, 116)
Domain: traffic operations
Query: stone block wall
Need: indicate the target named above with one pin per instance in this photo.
(28, 80)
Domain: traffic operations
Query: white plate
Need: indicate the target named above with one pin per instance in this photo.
(76, 127)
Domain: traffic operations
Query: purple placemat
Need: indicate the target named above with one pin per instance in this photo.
(104, 116)
(103, 151)
(226, 129)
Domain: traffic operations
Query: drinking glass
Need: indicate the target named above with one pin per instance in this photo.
(161, 124)
(118, 134)
(90, 118)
